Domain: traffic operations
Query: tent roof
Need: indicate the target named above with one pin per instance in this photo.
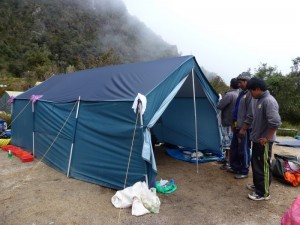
(109, 83)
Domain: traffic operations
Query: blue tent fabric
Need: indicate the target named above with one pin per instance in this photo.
(185, 154)
(119, 82)
(84, 125)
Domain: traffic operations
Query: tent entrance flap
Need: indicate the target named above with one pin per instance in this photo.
(147, 152)
(194, 124)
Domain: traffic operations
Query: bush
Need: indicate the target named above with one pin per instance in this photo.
(288, 129)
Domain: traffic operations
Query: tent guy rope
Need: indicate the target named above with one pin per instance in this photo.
(129, 158)
(52, 142)
(38, 163)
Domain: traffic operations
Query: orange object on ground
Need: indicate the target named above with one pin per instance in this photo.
(293, 178)
(8, 147)
(26, 158)
(18, 152)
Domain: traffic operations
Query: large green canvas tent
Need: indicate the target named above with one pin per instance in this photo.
(83, 124)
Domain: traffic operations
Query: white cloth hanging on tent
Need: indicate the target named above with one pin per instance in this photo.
(143, 100)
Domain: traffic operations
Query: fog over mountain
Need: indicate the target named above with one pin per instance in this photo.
(39, 37)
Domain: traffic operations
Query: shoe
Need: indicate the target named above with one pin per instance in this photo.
(225, 167)
(256, 197)
(251, 187)
(222, 161)
(240, 176)
(230, 170)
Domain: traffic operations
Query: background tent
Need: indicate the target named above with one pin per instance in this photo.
(4, 105)
(84, 125)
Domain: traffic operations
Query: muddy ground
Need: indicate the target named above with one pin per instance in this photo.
(35, 194)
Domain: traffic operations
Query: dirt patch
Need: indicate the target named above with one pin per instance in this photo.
(33, 193)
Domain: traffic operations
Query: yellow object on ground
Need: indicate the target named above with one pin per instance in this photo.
(4, 142)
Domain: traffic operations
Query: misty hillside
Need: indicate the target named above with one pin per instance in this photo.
(39, 38)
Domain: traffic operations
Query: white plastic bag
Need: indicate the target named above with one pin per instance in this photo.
(123, 198)
(136, 195)
(138, 209)
(150, 200)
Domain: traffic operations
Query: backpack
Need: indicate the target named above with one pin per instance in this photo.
(278, 166)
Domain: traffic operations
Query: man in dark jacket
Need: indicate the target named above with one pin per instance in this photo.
(266, 120)
(240, 144)
(226, 105)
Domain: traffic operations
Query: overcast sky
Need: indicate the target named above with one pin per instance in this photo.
(226, 36)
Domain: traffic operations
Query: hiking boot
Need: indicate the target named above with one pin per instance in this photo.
(251, 187)
(256, 197)
(225, 167)
(240, 176)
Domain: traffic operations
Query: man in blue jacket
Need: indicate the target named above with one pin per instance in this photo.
(266, 120)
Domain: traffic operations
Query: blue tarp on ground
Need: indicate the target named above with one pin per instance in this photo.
(191, 155)
(295, 144)
(93, 138)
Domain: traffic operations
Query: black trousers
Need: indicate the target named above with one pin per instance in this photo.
(261, 167)
(240, 153)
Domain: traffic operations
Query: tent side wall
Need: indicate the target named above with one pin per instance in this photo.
(102, 137)
(22, 124)
(103, 141)
(54, 130)
(53, 135)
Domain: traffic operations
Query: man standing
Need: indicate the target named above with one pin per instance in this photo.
(266, 120)
(226, 105)
(240, 144)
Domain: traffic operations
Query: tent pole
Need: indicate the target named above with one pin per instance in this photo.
(72, 145)
(33, 147)
(195, 114)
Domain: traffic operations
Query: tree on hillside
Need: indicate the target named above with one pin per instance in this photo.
(40, 38)
(296, 67)
(286, 89)
(219, 85)
(264, 71)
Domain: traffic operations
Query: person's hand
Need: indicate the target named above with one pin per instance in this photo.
(263, 140)
(241, 133)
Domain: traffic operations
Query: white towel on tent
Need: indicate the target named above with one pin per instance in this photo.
(143, 100)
